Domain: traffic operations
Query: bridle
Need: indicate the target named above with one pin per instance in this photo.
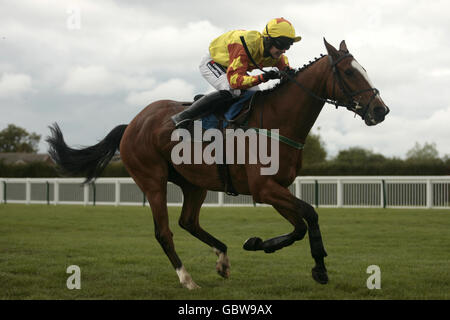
(350, 103)
(349, 95)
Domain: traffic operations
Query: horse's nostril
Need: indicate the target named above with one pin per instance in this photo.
(379, 113)
(379, 110)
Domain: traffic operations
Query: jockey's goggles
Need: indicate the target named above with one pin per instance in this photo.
(282, 43)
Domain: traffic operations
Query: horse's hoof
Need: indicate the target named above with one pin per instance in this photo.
(320, 276)
(191, 285)
(223, 271)
(222, 264)
(269, 250)
(253, 244)
(186, 279)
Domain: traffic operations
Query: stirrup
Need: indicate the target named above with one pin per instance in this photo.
(200, 108)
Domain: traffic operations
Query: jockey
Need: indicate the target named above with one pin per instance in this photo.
(226, 64)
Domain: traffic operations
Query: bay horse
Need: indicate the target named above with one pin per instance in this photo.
(292, 107)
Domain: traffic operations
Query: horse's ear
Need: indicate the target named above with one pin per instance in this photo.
(332, 52)
(343, 47)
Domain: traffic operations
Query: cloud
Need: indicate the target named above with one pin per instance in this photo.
(97, 80)
(89, 80)
(393, 137)
(169, 48)
(128, 54)
(12, 85)
(173, 89)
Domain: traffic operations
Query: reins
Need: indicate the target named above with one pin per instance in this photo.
(351, 105)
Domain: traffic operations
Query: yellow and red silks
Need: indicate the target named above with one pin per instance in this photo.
(228, 51)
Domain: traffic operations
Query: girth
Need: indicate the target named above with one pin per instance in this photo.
(223, 168)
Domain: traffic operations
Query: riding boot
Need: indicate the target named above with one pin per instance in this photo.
(203, 106)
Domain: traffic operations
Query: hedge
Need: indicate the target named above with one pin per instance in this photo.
(388, 168)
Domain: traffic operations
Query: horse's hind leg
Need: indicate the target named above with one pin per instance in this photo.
(155, 189)
(189, 220)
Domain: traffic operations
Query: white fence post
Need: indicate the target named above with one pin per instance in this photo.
(340, 193)
(86, 194)
(117, 193)
(28, 191)
(429, 194)
(56, 191)
(221, 197)
(298, 193)
(2, 191)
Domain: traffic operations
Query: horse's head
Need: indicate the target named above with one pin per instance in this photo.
(352, 87)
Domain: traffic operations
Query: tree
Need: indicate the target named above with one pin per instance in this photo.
(359, 156)
(314, 151)
(426, 153)
(16, 139)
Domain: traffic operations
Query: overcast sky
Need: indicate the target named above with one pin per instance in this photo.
(91, 65)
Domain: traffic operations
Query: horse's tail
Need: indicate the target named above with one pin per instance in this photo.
(88, 162)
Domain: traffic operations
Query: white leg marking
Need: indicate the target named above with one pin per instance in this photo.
(186, 279)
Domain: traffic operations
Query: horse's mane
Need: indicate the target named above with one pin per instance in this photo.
(285, 80)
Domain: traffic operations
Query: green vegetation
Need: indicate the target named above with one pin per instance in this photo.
(120, 258)
(420, 160)
(17, 139)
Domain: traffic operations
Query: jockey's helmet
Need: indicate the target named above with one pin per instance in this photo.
(281, 32)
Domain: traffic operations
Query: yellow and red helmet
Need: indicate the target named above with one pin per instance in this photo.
(280, 27)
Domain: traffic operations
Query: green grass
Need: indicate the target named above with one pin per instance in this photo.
(120, 258)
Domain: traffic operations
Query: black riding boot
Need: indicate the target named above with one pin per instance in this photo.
(203, 106)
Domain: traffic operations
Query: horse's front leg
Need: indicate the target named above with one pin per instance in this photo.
(296, 212)
(319, 272)
(279, 242)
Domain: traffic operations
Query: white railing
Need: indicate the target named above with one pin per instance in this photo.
(338, 191)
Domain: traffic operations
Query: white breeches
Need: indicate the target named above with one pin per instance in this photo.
(217, 76)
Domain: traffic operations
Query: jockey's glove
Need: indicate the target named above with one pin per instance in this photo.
(272, 74)
(291, 72)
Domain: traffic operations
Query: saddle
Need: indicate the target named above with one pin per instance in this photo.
(235, 112)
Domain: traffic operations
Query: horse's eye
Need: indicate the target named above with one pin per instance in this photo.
(348, 72)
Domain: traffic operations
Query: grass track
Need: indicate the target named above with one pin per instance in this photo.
(120, 258)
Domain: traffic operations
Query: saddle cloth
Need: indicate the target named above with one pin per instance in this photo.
(211, 121)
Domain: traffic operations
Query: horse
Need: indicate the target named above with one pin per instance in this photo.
(292, 107)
